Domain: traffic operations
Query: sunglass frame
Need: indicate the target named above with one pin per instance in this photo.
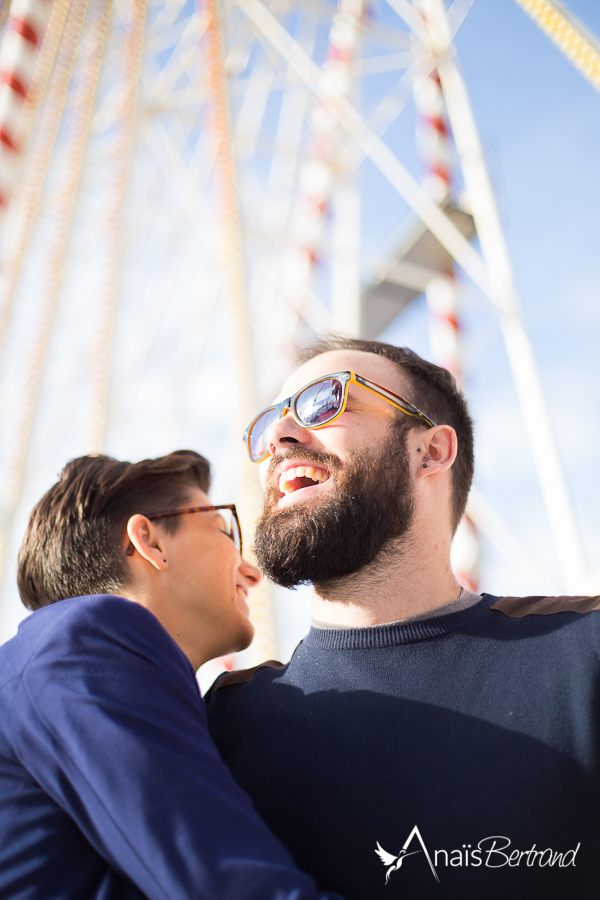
(346, 378)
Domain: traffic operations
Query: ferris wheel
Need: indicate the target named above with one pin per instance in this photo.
(183, 193)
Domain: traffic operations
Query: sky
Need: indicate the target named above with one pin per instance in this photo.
(539, 122)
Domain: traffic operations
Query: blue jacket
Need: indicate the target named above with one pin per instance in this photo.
(110, 786)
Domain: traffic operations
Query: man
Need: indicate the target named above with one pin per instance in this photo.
(423, 742)
(111, 787)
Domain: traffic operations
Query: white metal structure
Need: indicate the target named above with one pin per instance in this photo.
(190, 213)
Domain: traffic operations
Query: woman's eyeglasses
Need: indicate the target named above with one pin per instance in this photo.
(317, 404)
(229, 515)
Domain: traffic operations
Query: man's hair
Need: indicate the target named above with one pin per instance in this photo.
(74, 543)
(434, 391)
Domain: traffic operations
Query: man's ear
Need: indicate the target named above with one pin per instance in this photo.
(148, 540)
(441, 446)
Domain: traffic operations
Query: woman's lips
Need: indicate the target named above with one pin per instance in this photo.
(242, 599)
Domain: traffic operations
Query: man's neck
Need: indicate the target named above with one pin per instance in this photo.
(402, 582)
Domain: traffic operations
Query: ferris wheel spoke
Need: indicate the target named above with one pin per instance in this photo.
(132, 54)
(63, 209)
(23, 212)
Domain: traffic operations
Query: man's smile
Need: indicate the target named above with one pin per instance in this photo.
(296, 476)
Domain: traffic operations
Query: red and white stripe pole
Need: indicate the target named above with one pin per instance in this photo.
(318, 174)
(433, 136)
(22, 36)
(434, 144)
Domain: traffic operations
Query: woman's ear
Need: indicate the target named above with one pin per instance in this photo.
(148, 540)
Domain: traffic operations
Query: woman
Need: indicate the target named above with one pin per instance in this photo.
(111, 785)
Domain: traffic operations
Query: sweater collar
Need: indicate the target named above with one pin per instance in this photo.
(397, 633)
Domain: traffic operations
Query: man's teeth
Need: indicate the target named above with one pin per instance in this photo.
(316, 475)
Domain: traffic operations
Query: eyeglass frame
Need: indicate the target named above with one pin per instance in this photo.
(346, 378)
(194, 509)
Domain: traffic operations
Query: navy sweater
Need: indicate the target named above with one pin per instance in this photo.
(455, 757)
(110, 787)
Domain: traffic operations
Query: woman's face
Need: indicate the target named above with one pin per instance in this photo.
(206, 584)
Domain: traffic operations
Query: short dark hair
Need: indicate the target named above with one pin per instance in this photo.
(434, 390)
(73, 545)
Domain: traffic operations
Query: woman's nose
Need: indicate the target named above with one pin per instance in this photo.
(249, 573)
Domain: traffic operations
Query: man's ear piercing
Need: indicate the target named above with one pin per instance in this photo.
(164, 560)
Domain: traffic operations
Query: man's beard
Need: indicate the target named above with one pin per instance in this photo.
(315, 541)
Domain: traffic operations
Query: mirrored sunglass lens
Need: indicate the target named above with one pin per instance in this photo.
(258, 443)
(320, 402)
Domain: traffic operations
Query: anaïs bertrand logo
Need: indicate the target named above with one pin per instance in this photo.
(493, 852)
(394, 862)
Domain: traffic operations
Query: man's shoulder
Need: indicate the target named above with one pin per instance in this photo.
(567, 622)
(520, 607)
(265, 672)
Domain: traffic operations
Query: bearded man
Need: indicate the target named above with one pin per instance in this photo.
(422, 739)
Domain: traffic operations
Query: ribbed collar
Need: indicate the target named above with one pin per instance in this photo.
(395, 634)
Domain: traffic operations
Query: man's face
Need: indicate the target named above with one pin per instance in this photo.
(335, 496)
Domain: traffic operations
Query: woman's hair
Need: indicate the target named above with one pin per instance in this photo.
(76, 536)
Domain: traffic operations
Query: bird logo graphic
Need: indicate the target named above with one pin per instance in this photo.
(394, 862)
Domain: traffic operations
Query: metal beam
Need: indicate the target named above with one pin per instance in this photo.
(373, 147)
(505, 299)
(579, 45)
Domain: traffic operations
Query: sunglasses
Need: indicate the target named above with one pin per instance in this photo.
(229, 514)
(317, 404)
